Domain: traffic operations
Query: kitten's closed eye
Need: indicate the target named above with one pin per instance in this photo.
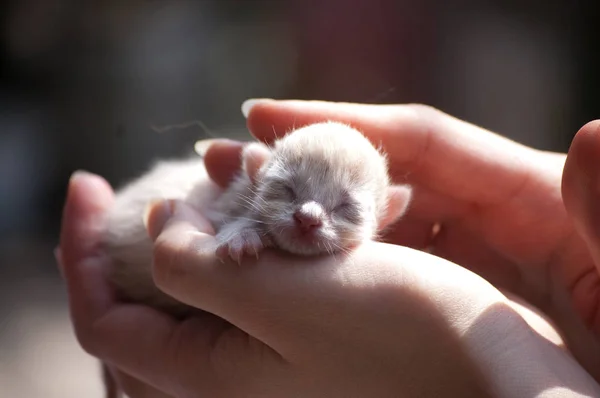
(347, 202)
(349, 210)
(289, 191)
(280, 190)
(344, 205)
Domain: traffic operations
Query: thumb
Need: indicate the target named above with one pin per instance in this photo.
(581, 185)
(186, 268)
(263, 297)
(581, 194)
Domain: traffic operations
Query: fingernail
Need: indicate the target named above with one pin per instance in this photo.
(201, 147)
(79, 174)
(249, 104)
(156, 215)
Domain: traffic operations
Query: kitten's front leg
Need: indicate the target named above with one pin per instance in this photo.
(239, 238)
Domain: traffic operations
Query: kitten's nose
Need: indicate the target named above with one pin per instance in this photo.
(306, 221)
(309, 216)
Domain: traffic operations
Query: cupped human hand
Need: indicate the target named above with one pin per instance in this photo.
(82, 263)
(497, 203)
(382, 321)
(83, 266)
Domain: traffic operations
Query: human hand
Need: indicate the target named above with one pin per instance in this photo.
(83, 265)
(382, 322)
(498, 203)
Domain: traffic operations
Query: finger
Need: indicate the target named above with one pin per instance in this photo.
(187, 268)
(223, 160)
(80, 259)
(184, 243)
(580, 193)
(180, 245)
(159, 351)
(156, 349)
(581, 179)
(424, 145)
(88, 197)
(138, 339)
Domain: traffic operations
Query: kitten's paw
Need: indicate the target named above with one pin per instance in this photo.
(245, 242)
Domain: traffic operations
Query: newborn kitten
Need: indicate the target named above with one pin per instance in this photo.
(321, 189)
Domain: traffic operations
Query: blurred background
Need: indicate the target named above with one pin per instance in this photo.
(84, 84)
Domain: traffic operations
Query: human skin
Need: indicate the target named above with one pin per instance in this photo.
(388, 319)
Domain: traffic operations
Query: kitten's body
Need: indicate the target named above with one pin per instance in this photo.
(127, 241)
(326, 173)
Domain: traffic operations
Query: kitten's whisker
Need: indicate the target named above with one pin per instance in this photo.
(249, 205)
(251, 219)
(249, 200)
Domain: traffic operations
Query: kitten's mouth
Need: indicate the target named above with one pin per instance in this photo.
(301, 242)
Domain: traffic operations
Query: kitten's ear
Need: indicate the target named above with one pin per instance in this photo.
(254, 156)
(398, 198)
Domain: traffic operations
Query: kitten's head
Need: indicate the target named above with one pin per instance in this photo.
(323, 188)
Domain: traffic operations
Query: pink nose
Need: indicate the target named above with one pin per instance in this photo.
(306, 221)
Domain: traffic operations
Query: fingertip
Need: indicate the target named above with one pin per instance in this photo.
(591, 128)
(88, 198)
(156, 215)
(223, 160)
(255, 155)
(249, 105)
(271, 119)
(583, 158)
(581, 181)
(586, 142)
(588, 134)
(89, 189)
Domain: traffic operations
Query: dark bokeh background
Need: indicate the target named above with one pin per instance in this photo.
(82, 82)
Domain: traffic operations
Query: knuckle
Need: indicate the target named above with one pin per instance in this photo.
(419, 106)
(424, 111)
(416, 115)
